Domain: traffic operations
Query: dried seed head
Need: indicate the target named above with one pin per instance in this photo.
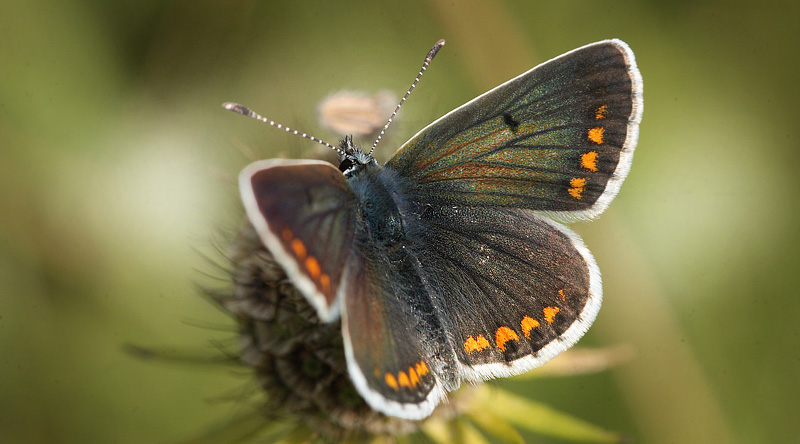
(298, 361)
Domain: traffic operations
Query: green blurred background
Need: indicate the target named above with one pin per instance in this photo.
(117, 172)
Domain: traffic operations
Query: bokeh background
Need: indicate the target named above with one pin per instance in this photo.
(117, 180)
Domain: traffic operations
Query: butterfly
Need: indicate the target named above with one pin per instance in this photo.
(451, 262)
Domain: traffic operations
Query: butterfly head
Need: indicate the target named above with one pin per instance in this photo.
(353, 159)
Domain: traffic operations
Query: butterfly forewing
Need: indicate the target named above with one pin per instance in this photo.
(304, 212)
(558, 139)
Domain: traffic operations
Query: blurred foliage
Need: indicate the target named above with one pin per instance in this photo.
(117, 165)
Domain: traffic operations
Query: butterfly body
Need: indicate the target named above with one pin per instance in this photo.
(448, 263)
(377, 190)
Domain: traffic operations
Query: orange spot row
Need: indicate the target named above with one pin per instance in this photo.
(596, 134)
(505, 334)
(578, 185)
(410, 379)
(589, 161)
(310, 262)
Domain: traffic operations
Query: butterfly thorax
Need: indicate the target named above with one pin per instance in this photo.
(378, 209)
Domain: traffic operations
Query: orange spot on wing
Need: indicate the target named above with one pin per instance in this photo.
(476, 344)
(391, 381)
(287, 235)
(313, 267)
(528, 324)
(550, 314)
(503, 335)
(298, 248)
(325, 283)
(412, 376)
(589, 161)
(578, 185)
(422, 369)
(470, 345)
(600, 113)
(402, 379)
(562, 295)
(596, 135)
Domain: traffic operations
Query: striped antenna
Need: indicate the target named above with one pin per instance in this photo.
(428, 58)
(245, 111)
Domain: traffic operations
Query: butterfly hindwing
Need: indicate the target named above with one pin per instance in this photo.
(557, 139)
(391, 333)
(304, 212)
(513, 289)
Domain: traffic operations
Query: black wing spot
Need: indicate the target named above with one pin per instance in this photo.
(508, 120)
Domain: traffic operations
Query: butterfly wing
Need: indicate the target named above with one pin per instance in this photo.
(309, 218)
(513, 288)
(303, 211)
(394, 343)
(558, 139)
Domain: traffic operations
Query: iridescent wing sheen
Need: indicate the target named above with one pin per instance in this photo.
(558, 139)
(304, 212)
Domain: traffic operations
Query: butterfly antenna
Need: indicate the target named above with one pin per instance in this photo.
(428, 58)
(245, 111)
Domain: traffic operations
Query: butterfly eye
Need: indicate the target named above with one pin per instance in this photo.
(345, 164)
